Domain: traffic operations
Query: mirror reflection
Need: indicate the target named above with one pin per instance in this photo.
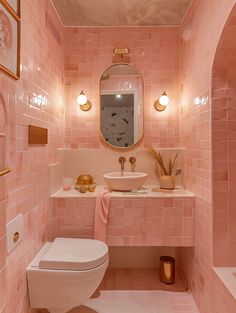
(121, 106)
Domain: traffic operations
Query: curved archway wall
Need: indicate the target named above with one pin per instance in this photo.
(224, 146)
(200, 32)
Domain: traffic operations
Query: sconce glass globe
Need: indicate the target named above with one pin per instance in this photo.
(82, 99)
(164, 99)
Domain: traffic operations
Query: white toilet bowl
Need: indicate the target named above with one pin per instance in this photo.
(65, 273)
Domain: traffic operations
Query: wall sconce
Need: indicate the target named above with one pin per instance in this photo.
(121, 55)
(84, 103)
(161, 103)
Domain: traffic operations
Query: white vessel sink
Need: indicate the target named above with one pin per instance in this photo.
(126, 182)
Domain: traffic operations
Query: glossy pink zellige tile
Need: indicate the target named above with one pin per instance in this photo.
(3, 251)
(77, 74)
(27, 184)
(132, 220)
(2, 187)
(2, 288)
(2, 217)
(197, 124)
(223, 181)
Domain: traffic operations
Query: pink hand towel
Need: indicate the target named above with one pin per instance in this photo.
(101, 215)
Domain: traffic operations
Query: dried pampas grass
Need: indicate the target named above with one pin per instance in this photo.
(158, 157)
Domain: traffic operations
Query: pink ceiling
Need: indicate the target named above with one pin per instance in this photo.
(121, 12)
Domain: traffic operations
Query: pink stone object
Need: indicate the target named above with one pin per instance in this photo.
(67, 187)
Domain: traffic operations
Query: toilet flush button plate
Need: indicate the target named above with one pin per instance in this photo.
(14, 232)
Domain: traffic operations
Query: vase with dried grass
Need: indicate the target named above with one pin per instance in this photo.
(168, 173)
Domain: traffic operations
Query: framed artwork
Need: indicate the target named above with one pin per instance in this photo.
(13, 6)
(9, 42)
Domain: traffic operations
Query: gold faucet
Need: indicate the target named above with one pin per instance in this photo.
(122, 163)
(132, 161)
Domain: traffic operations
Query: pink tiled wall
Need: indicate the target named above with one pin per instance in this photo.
(3, 133)
(224, 146)
(131, 222)
(155, 54)
(200, 34)
(27, 184)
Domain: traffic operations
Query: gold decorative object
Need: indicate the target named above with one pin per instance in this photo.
(85, 180)
(92, 188)
(85, 183)
(82, 188)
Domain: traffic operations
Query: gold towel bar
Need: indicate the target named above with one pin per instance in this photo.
(4, 171)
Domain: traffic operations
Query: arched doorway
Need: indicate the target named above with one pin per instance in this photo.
(224, 146)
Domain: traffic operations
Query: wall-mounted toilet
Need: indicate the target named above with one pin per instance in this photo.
(65, 273)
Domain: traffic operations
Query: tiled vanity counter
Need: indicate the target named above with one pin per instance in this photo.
(152, 219)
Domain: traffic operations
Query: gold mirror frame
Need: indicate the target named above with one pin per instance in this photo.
(102, 139)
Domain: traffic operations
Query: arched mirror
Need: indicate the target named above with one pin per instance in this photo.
(121, 106)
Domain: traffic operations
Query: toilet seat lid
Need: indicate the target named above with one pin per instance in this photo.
(74, 254)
